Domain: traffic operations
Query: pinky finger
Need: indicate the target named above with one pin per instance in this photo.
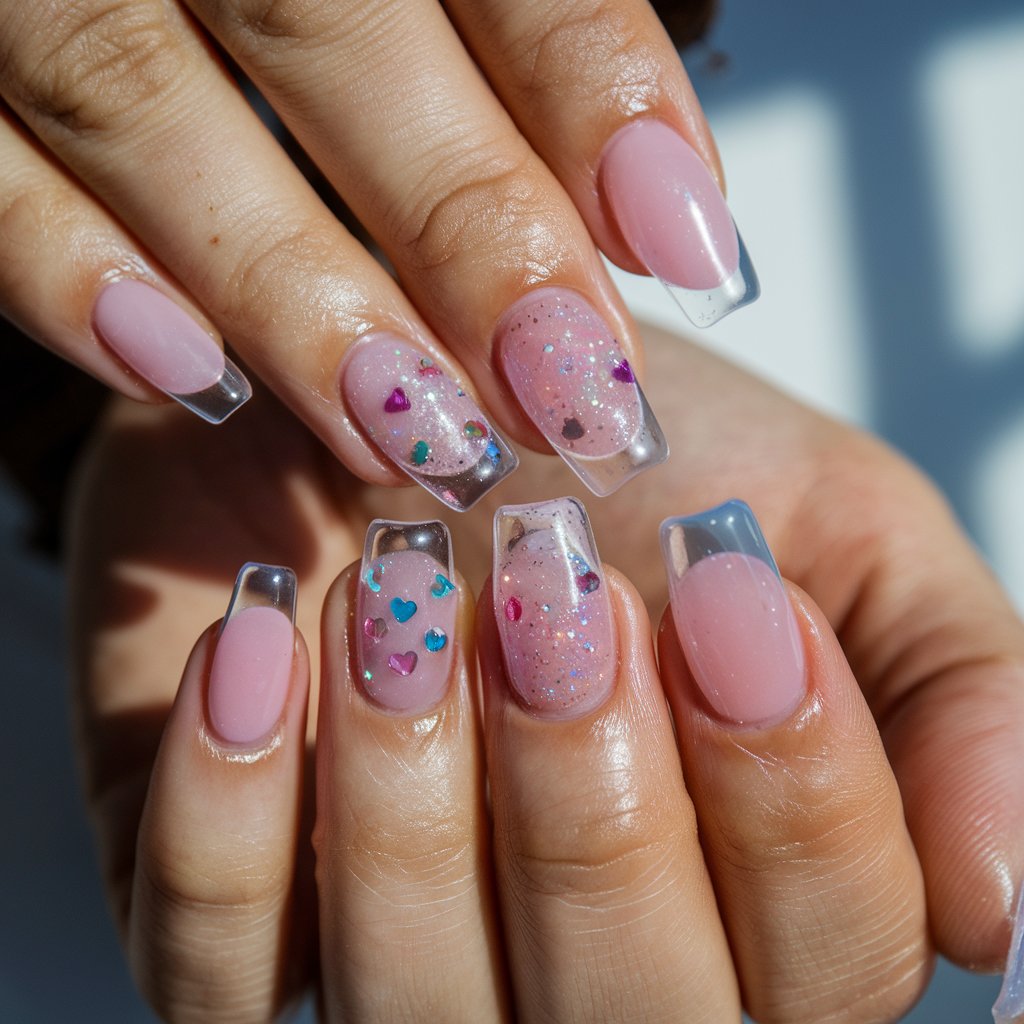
(71, 278)
(210, 928)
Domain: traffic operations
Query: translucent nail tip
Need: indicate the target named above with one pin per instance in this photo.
(706, 307)
(729, 527)
(217, 402)
(263, 586)
(1009, 1006)
(552, 608)
(573, 380)
(405, 615)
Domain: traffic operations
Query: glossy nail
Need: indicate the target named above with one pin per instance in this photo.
(252, 664)
(1009, 1006)
(733, 616)
(164, 345)
(552, 609)
(405, 615)
(675, 219)
(573, 380)
(424, 421)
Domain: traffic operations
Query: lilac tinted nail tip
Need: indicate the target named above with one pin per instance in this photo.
(405, 615)
(424, 421)
(167, 348)
(552, 609)
(573, 380)
(674, 218)
(1009, 1005)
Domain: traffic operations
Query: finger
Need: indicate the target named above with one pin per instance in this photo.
(597, 88)
(801, 820)
(125, 94)
(71, 278)
(470, 217)
(211, 934)
(607, 906)
(406, 917)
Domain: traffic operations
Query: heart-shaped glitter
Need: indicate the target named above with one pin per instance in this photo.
(397, 401)
(623, 372)
(403, 611)
(474, 428)
(372, 577)
(442, 585)
(374, 629)
(513, 609)
(588, 582)
(420, 453)
(403, 664)
(435, 639)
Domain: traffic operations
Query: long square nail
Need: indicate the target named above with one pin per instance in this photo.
(166, 347)
(675, 219)
(573, 380)
(252, 663)
(405, 615)
(424, 421)
(732, 615)
(551, 604)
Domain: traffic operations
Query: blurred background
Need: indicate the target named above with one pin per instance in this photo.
(875, 158)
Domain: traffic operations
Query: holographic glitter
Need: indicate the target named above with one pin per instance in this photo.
(474, 428)
(397, 401)
(573, 380)
(555, 620)
(420, 453)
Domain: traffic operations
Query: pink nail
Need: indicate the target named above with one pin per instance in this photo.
(405, 615)
(733, 617)
(163, 344)
(424, 421)
(573, 380)
(673, 216)
(252, 665)
(552, 609)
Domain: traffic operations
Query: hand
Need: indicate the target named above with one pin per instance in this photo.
(148, 212)
(827, 899)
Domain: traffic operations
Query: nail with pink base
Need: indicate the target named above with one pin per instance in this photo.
(167, 348)
(252, 664)
(405, 615)
(675, 219)
(572, 378)
(554, 616)
(424, 421)
(733, 617)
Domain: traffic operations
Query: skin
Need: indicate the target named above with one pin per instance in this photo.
(877, 821)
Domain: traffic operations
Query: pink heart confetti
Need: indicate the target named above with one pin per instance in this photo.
(397, 401)
(403, 664)
(588, 582)
(513, 609)
(374, 629)
(623, 372)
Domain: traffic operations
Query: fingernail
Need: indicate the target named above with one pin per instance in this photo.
(166, 347)
(424, 421)
(1009, 1006)
(733, 616)
(573, 380)
(405, 615)
(552, 608)
(674, 217)
(252, 664)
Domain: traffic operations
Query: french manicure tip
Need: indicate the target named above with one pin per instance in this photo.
(1009, 1006)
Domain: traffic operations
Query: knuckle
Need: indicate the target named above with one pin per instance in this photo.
(282, 23)
(103, 66)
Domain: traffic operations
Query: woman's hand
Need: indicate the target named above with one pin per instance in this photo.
(489, 149)
(867, 812)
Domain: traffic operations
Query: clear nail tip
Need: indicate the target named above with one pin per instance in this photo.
(263, 586)
(1009, 1006)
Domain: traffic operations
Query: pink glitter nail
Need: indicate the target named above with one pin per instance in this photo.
(552, 609)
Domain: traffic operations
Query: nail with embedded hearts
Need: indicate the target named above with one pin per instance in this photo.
(424, 421)
(406, 605)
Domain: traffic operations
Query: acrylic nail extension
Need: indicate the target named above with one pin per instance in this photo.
(166, 347)
(573, 380)
(424, 421)
(405, 615)
(252, 664)
(552, 609)
(673, 216)
(1009, 1006)
(732, 615)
